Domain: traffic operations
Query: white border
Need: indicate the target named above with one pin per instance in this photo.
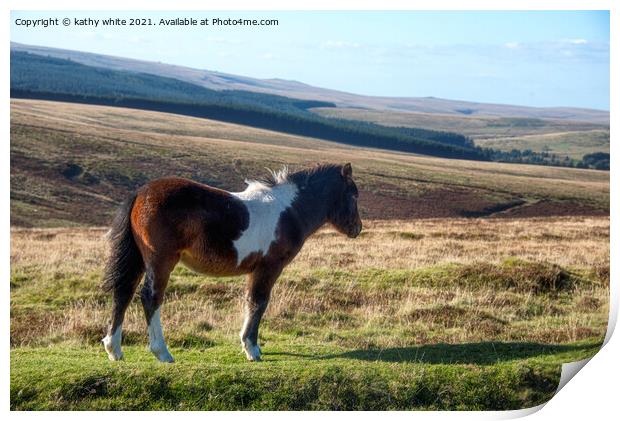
(594, 391)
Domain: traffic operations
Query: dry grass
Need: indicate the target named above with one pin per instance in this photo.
(565, 241)
(454, 281)
(572, 144)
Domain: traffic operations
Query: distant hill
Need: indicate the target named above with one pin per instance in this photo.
(42, 77)
(223, 81)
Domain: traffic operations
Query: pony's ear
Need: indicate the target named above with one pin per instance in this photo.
(347, 171)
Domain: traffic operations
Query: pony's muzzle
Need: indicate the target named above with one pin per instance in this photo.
(355, 231)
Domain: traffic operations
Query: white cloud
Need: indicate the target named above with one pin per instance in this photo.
(217, 40)
(512, 45)
(578, 41)
(340, 44)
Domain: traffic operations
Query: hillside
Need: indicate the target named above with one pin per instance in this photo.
(38, 77)
(71, 164)
(222, 81)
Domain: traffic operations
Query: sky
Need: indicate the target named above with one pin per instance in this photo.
(535, 58)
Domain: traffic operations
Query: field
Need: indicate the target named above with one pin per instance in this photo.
(572, 144)
(471, 283)
(561, 137)
(436, 314)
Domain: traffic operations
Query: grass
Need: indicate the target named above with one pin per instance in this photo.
(292, 377)
(465, 314)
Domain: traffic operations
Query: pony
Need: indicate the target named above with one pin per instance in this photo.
(256, 232)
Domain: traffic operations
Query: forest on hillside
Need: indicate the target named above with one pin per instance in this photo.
(41, 77)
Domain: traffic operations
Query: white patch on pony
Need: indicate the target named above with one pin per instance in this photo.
(157, 344)
(265, 204)
(112, 345)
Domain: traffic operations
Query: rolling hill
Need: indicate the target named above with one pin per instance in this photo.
(223, 81)
(71, 164)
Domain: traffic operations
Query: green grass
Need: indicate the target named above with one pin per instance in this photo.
(293, 376)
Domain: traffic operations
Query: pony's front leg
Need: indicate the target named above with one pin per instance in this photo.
(258, 291)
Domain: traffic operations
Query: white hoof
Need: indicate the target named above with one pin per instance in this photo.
(112, 348)
(162, 355)
(252, 352)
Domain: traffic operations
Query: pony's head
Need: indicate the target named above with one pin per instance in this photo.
(344, 215)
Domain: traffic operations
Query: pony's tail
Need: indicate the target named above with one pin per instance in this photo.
(125, 263)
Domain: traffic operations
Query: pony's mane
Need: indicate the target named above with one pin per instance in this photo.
(275, 178)
(282, 176)
(317, 176)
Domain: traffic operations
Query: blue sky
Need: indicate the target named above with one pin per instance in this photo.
(537, 58)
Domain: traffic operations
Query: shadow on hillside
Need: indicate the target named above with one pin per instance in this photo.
(480, 353)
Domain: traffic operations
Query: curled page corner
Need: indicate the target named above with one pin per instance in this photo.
(569, 370)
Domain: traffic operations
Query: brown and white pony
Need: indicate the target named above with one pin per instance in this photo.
(212, 231)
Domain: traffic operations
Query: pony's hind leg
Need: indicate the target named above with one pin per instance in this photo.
(123, 271)
(123, 293)
(152, 296)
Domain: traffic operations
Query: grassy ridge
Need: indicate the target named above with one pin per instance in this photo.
(292, 378)
(572, 144)
(474, 126)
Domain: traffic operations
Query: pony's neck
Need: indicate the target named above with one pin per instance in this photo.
(312, 207)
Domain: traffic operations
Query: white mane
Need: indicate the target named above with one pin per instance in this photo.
(277, 178)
